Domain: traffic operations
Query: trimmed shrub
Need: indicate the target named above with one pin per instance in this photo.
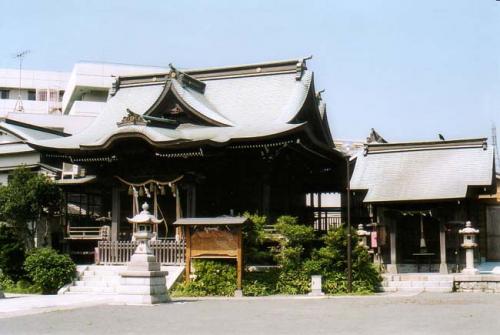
(213, 278)
(331, 262)
(11, 253)
(254, 239)
(260, 283)
(292, 252)
(49, 270)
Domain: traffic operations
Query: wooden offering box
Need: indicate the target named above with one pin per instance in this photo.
(213, 238)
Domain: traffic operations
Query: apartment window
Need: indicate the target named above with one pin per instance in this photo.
(41, 95)
(31, 95)
(61, 93)
(53, 95)
(4, 94)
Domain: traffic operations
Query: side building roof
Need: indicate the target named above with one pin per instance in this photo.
(418, 171)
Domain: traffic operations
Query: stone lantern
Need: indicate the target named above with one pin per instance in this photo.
(363, 236)
(469, 244)
(143, 282)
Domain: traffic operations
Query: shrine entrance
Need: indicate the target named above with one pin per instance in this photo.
(418, 242)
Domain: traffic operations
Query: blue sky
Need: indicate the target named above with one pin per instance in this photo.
(410, 69)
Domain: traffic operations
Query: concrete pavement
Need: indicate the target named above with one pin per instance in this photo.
(426, 313)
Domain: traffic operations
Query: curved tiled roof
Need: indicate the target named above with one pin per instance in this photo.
(236, 105)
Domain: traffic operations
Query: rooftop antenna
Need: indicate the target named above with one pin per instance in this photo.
(19, 103)
(495, 144)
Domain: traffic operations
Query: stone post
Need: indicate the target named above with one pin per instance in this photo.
(469, 244)
(316, 286)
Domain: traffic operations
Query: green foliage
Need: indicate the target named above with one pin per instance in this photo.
(291, 254)
(254, 238)
(330, 261)
(213, 278)
(260, 283)
(294, 233)
(11, 253)
(21, 286)
(48, 269)
(296, 258)
(25, 199)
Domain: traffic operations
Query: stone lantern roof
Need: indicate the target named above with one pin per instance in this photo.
(144, 217)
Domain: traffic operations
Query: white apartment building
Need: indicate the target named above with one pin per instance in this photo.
(51, 104)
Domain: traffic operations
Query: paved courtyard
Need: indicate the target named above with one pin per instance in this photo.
(425, 313)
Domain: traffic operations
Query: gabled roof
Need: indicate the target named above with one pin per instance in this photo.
(231, 103)
(423, 170)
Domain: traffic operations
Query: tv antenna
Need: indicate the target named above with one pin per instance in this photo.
(19, 103)
(495, 145)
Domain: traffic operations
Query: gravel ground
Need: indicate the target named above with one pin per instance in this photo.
(456, 313)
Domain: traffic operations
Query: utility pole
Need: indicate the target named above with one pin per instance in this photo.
(19, 103)
(349, 246)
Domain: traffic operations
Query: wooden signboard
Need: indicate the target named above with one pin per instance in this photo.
(214, 238)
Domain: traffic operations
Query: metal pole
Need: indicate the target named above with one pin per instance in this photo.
(349, 247)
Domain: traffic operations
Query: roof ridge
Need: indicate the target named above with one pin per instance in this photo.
(231, 71)
(426, 145)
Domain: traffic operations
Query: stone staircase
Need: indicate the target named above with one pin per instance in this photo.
(417, 282)
(100, 279)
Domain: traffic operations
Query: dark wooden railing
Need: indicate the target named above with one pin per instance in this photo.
(167, 252)
(327, 223)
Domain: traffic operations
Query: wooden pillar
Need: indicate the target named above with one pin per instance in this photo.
(193, 201)
(393, 266)
(115, 213)
(187, 233)
(443, 267)
(178, 213)
(266, 198)
(239, 261)
(320, 223)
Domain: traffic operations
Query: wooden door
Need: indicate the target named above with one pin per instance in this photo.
(493, 233)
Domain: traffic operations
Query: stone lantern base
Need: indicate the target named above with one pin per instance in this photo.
(142, 288)
(143, 283)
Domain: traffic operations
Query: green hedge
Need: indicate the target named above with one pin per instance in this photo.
(49, 270)
(212, 278)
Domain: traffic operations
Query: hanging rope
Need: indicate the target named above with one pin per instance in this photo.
(150, 188)
(150, 181)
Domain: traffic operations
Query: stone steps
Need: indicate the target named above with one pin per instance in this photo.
(100, 279)
(417, 283)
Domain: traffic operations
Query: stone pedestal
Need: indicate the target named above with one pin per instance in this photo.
(142, 288)
(316, 286)
(469, 263)
(143, 283)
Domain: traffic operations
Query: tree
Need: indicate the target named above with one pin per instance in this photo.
(27, 200)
